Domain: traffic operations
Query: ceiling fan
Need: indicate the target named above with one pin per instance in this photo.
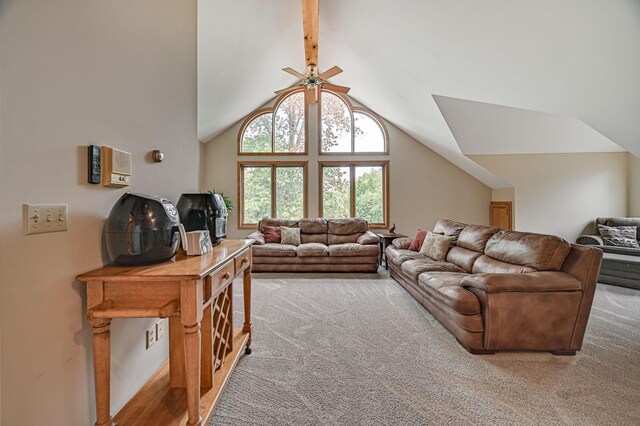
(312, 81)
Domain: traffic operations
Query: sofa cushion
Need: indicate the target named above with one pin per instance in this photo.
(353, 249)
(436, 246)
(486, 264)
(271, 234)
(347, 226)
(475, 237)
(463, 257)
(619, 236)
(272, 221)
(418, 240)
(312, 249)
(274, 249)
(538, 251)
(314, 238)
(449, 228)
(398, 256)
(415, 267)
(342, 239)
(445, 287)
(313, 226)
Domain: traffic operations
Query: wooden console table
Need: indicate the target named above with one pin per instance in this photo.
(195, 293)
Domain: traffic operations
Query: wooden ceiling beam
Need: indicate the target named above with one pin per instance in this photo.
(310, 25)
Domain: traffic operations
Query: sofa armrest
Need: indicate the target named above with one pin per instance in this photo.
(590, 240)
(402, 243)
(529, 282)
(258, 237)
(368, 238)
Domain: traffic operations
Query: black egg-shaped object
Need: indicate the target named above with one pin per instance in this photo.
(141, 230)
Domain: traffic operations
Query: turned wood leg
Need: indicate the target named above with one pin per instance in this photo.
(192, 372)
(246, 286)
(102, 371)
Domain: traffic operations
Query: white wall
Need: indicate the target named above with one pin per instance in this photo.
(424, 186)
(119, 73)
(634, 186)
(561, 194)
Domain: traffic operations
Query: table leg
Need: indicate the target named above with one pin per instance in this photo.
(101, 342)
(192, 370)
(381, 251)
(246, 287)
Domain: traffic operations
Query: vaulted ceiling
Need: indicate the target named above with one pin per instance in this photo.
(531, 72)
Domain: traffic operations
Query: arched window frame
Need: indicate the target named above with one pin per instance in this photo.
(272, 110)
(352, 109)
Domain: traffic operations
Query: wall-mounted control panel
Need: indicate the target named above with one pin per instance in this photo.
(116, 167)
(93, 162)
(41, 218)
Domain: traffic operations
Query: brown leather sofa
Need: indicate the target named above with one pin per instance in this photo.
(327, 245)
(503, 290)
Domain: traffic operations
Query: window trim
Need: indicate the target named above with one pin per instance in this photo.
(351, 109)
(273, 165)
(352, 165)
(272, 110)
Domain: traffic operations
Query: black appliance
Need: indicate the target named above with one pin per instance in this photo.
(142, 229)
(192, 206)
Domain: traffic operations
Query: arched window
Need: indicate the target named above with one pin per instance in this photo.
(277, 130)
(344, 129)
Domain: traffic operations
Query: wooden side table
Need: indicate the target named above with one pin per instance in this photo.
(385, 239)
(195, 293)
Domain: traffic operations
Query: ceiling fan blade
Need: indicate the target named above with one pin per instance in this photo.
(330, 73)
(336, 88)
(288, 89)
(310, 26)
(294, 73)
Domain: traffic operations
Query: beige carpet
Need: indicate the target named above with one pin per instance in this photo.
(358, 349)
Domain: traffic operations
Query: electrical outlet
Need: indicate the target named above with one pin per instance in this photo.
(161, 329)
(151, 336)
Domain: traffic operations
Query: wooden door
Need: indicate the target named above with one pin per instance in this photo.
(501, 214)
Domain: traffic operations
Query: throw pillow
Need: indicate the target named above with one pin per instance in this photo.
(620, 236)
(290, 235)
(416, 244)
(271, 234)
(436, 246)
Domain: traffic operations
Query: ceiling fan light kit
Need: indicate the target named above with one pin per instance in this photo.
(312, 81)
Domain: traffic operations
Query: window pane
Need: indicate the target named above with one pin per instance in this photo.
(289, 126)
(335, 125)
(257, 193)
(336, 192)
(368, 136)
(369, 193)
(257, 135)
(289, 192)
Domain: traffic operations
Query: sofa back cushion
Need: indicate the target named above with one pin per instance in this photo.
(449, 228)
(341, 231)
(272, 221)
(489, 265)
(463, 257)
(475, 237)
(537, 251)
(313, 230)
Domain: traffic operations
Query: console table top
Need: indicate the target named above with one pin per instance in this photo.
(181, 267)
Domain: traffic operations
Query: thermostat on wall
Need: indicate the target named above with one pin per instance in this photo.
(116, 167)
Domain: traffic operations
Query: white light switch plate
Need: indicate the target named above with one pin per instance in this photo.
(41, 218)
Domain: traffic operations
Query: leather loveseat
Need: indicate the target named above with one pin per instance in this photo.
(327, 245)
(503, 290)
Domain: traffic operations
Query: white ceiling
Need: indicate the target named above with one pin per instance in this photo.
(570, 58)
